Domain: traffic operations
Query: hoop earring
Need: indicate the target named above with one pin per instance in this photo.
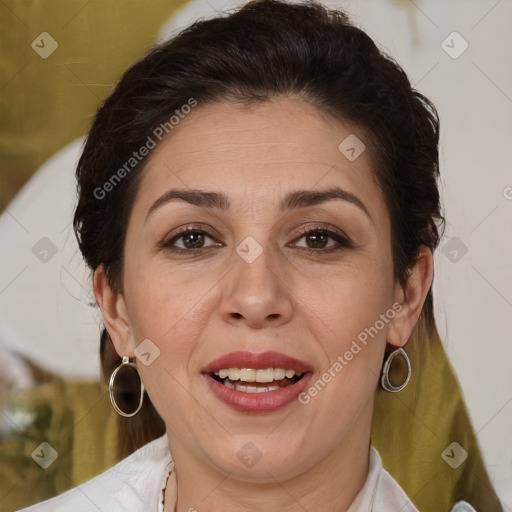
(125, 364)
(384, 381)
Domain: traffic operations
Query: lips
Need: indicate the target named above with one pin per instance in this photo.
(244, 359)
(256, 383)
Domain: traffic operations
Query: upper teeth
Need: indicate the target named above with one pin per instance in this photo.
(252, 375)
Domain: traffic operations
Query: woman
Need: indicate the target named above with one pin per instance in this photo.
(258, 203)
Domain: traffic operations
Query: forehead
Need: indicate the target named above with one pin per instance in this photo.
(259, 152)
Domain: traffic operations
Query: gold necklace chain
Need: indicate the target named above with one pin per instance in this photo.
(164, 491)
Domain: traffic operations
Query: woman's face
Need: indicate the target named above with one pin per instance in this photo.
(248, 285)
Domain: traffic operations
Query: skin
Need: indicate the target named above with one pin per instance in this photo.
(197, 307)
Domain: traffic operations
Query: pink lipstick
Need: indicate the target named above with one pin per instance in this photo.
(257, 383)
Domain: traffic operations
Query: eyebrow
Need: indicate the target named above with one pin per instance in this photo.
(292, 200)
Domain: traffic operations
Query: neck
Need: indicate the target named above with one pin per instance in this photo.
(330, 485)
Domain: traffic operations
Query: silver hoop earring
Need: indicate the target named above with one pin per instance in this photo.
(123, 392)
(384, 380)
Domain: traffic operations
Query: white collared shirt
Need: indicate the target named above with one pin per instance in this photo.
(135, 484)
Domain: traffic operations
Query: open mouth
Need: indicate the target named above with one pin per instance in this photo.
(257, 383)
(251, 380)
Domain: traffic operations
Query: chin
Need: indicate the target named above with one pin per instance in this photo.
(261, 466)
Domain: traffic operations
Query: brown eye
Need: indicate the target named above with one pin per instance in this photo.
(189, 240)
(322, 240)
(318, 240)
(193, 240)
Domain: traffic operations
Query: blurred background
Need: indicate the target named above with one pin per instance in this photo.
(60, 58)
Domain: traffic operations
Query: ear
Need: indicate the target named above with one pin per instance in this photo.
(411, 296)
(115, 314)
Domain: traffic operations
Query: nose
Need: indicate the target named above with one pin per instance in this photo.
(256, 294)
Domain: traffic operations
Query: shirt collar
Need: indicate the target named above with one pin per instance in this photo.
(366, 496)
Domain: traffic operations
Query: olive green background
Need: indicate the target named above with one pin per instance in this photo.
(47, 103)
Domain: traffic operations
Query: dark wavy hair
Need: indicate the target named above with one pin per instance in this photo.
(266, 50)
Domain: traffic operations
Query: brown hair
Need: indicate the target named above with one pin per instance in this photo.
(265, 50)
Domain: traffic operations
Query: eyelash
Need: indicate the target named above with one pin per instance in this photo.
(342, 240)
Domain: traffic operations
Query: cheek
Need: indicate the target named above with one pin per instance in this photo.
(170, 310)
(344, 305)
(167, 308)
(349, 320)
(171, 307)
